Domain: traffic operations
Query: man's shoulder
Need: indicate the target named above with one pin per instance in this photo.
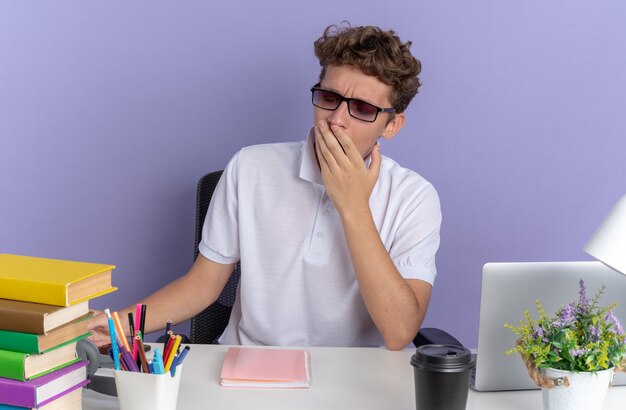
(406, 189)
(279, 157)
(273, 148)
(396, 174)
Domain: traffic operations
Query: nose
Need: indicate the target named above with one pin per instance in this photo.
(340, 115)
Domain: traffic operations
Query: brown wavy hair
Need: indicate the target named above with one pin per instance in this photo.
(375, 52)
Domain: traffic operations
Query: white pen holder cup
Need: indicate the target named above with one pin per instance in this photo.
(147, 391)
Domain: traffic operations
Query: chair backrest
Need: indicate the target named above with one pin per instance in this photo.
(208, 325)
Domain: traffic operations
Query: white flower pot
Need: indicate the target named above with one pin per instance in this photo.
(586, 390)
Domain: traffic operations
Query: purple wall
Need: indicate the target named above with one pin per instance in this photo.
(109, 113)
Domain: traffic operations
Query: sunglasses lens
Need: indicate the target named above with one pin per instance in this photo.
(326, 99)
(362, 110)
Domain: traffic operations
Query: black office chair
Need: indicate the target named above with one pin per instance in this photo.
(208, 325)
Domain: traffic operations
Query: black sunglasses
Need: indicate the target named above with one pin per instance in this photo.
(359, 109)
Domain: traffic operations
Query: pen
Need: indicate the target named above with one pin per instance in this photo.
(123, 360)
(138, 320)
(115, 351)
(168, 327)
(172, 354)
(138, 316)
(168, 346)
(182, 355)
(142, 353)
(157, 362)
(118, 358)
(178, 360)
(128, 359)
(131, 327)
(120, 331)
(142, 322)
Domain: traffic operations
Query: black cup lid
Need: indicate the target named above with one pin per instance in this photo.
(442, 356)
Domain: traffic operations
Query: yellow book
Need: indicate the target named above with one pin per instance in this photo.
(52, 281)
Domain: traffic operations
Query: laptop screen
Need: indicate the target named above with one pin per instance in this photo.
(510, 289)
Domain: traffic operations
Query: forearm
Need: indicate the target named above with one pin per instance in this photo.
(183, 298)
(390, 300)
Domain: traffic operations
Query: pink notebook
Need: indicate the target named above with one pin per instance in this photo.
(261, 367)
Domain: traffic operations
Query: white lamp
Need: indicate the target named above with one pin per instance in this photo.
(608, 243)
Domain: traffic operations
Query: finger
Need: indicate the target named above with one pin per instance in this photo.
(318, 152)
(332, 143)
(99, 339)
(324, 154)
(96, 321)
(347, 145)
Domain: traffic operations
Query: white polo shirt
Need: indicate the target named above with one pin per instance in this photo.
(298, 287)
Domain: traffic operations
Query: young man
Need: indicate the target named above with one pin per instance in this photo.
(336, 242)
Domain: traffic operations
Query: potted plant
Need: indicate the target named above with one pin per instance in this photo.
(572, 356)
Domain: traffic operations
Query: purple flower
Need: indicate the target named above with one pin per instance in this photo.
(578, 352)
(567, 315)
(594, 333)
(611, 318)
(538, 332)
(583, 303)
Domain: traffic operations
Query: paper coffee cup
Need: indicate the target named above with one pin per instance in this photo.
(442, 376)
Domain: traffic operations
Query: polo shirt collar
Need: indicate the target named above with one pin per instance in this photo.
(309, 169)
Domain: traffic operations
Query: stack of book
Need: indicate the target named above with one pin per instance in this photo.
(44, 307)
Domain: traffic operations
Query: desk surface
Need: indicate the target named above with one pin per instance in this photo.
(342, 378)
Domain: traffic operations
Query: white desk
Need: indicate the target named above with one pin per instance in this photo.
(342, 378)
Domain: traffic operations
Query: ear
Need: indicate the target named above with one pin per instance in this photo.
(394, 126)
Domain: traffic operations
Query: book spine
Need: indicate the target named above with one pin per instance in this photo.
(14, 394)
(24, 394)
(12, 364)
(31, 291)
(19, 342)
(21, 321)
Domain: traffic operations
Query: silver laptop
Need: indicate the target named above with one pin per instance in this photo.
(509, 289)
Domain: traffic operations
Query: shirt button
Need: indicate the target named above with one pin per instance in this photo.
(327, 212)
(320, 235)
